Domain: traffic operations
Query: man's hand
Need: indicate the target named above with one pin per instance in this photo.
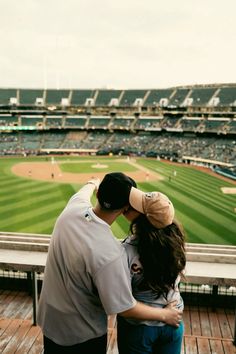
(95, 181)
(172, 316)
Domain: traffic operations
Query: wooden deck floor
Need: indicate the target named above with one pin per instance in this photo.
(206, 332)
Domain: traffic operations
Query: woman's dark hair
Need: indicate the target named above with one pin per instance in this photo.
(161, 252)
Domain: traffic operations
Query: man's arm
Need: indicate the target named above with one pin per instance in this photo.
(169, 314)
(86, 191)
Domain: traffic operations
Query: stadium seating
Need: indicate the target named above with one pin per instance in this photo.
(176, 121)
(75, 122)
(29, 97)
(122, 123)
(31, 120)
(155, 96)
(55, 97)
(105, 97)
(54, 122)
(148, 123)
(8, 96)
(131, 97)
(201, 96)
(6, 120)
(80, 97)
(227, 96)
(178, 98)
(98, 122)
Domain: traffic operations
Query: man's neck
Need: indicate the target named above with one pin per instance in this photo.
(108, 216)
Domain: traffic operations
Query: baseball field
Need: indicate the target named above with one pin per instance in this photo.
(33, 192)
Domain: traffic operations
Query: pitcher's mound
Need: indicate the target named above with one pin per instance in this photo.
(99, 165)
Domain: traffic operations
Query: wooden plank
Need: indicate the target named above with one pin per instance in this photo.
(190, 345)
(195, 321)
(216, 346)
(13, 344)
(204, 322)
(231, 317)
(187, 320)
(4, 323)
(215, 326)
(14, 305)
(203, 346)
(28, 341)
(229, 348)
(7, 301)
(9, 333)
(25, 310)
(37, 346)
(224, 324)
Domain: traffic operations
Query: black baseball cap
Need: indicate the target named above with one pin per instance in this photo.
(114, 190)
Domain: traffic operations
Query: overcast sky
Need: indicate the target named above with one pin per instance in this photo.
(116, 43)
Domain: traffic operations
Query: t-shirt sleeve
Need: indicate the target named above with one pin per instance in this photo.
(114, 286)
(83, 195)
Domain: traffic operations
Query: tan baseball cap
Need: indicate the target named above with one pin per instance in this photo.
(155, 205)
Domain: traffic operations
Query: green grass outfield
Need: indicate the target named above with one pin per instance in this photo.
(206, 213)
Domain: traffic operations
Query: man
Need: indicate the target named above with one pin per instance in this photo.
(86, 276)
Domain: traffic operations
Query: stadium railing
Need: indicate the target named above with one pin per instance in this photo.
(207, 264)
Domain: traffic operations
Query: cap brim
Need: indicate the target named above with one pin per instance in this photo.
(136, 199)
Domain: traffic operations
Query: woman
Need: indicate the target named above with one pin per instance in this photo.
(156, 258)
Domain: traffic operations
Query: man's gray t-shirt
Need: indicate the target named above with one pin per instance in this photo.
(86, 275)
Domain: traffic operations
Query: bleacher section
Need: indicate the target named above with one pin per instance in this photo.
(8, 119)
(201, 96)
(158, 97)
(75, 122)
(178, 98)
(227, 96)
(31, 120)
(29, 97)
(132, 98)
(107, 97)
(98, 122)
(56, 97)
(54, 122)
(190, 124)
(178, 121)
(148, 123)
(8, 96)
(122, 123)
(80, 97)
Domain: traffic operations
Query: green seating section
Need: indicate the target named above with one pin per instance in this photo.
(155, 96)
(190, 124)
(178, 97)
(54, 122)
(201, 96)
(122, 123)
(98, 122)
(79, 97)
(29, 97)
(8, 119)
(75, 122)
(31, 121)
(6, 95)
(54, 97)
(130, 96)
(147, 123)
(227, 96)
(104, 97)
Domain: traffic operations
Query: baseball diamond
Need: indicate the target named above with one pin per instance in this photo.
(31, 199)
